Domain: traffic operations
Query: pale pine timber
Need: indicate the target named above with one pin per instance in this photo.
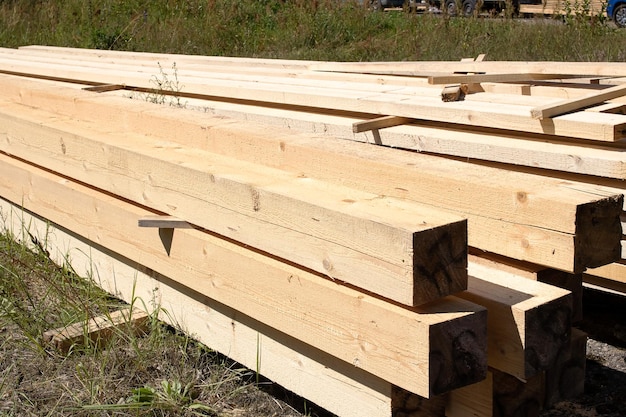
(301, 158)
(528, 321)
(601, 127)
(368, 240)
(340, 388)
(558, 248)
(183, 126)
(587, 159)
(352, 326)
(223, 66)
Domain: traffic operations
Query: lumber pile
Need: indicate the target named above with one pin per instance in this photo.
(564, 7)
(372, 280)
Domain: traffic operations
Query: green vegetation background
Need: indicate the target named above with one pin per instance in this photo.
(304, 29)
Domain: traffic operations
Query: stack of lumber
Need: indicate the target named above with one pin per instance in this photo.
(564, 7)
(253, 205)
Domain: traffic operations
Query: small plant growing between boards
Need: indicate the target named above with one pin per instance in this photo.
(167, 88)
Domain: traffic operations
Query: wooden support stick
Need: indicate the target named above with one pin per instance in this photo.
(567, 106)
(380, 123)
(98, 328)
(163, 222)
(105, 88)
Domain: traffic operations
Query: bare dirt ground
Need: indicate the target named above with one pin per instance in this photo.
(605, 380)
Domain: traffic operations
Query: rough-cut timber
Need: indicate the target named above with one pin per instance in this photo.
(537, 228)
(409, 253)
(441, 346)
(339, 387)
(528, 321)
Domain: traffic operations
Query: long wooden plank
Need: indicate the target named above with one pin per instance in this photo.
(340, 388)
(158, 57)
(361, 166)
(440, 346)
(491, 77)
(528, 321)
(416, 68)
(601, 127)
(407, 252)
(223, 65)
(566, 106)
(247, 70)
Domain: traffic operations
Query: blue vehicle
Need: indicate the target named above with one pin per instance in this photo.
(616, 10)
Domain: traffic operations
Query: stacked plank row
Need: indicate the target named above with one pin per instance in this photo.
(335, 268)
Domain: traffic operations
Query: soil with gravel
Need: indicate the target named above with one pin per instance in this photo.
(605, 377)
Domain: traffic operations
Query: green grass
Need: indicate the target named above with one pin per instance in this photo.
(299, 29)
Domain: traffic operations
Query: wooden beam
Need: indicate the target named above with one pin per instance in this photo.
(566, 106)
(352, 326)
(401, 250)
(528, 321)
(98, 329)
(104, 88)
(350, 163)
